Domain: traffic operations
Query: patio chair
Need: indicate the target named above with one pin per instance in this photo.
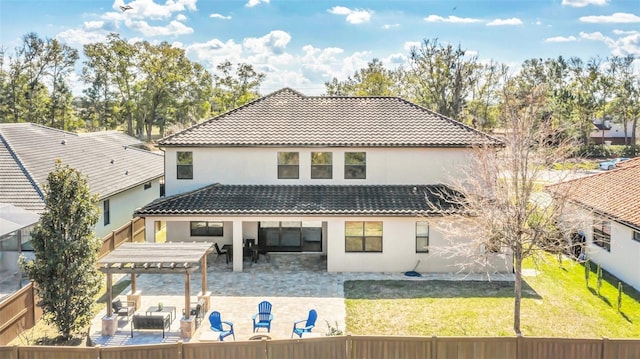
(263, 318)
(221, 252)
(310, 322)
(121, 310)
(216, 325)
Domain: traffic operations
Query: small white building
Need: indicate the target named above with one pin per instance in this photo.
(359, 179)
(608, 212)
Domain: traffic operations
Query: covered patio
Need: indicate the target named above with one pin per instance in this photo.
(156, 258)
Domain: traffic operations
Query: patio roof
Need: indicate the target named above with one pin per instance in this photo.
(155, 258)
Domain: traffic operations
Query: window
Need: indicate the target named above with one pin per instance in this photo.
(355, 165)
(106, 215)
(288, 165)
(363, 236)
(602, 233)
(185, 165)
(422, 237)
(636, 236)
(321, 165)
(206, 229)
(147, 186)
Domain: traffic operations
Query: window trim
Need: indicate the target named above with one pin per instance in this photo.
(427, 237)
(106, 212)
(324, 166)
(364, 237)
(601, 237)
(636, 236)
(283, 166)
(147, 185)
(207, 225)
(180, 165)
(362, 166)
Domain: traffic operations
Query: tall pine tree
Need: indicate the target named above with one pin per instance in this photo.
(66, 250)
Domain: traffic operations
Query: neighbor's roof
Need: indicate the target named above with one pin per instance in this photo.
(28, 153)
(13, 218)
(387, 200)
(614, 193)
(288, 118)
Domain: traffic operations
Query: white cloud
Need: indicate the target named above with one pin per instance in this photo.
(561, 39)
(174, 28)
(626, 45)
(618, 18)
(395, 60)
(625, 32)
(141, 9)
(274, 42)
(181, 17)
(390, 26)
(215, 51)
(408, 45)
(502, 22)
(81, 37)
(451, 19)
(356, 16)
(220, 16)
(253, 3)
(93, 25)
(583, 3)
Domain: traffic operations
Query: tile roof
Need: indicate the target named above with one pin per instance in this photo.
(288, 118)
(28, 153)
(614, 193)
(388, 200)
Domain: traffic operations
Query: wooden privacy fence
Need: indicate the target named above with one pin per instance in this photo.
(19, 311)
(354, 347)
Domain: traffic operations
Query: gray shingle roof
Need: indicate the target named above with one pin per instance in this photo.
(387, 200)
(288, 118)
(29, 151)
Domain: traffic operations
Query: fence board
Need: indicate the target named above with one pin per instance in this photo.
(50, 352)
(225, 350)
(621, 348)
(559, 348)
(152, 351)
(475, 348)
(323, 347)
(9, 352)
(379, 347)
(17, 314)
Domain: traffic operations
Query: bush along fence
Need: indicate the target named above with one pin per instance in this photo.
(348, 347)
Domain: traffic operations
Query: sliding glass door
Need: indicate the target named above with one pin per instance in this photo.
(291, 236)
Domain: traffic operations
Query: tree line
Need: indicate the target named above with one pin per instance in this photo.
(139, 86)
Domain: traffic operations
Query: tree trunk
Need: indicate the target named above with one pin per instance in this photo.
(517, 289)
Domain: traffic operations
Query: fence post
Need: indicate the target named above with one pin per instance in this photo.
(434, 346)
(98, 351)
(518, 346)
(180, 356)
(349, 346)
(604, 346)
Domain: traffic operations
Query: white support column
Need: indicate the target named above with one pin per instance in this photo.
(237, 246)
(149, 230)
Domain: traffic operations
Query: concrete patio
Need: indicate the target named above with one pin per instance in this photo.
(293, 283)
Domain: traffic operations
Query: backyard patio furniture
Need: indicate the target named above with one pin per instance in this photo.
(198, 312)
(151, 322)
(123, 311)
(221, 252)
(216, 325)
(310, 322)
(263, 318)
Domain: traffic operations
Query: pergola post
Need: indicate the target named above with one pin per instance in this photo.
(187, 324)
(109, 322)
(187, 294)
(109, 294)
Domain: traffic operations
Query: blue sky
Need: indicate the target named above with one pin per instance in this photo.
(303, 43)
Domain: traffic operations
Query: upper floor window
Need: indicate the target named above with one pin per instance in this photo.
(206, 229)
(636, 236)
(147, 185)
(288, 165)
(106, 212)
(422, 237)
(363, 236)
(602, 233)
(185, 165)
(321, 165)
(355, 165)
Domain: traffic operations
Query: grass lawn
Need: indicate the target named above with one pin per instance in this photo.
(556, 303)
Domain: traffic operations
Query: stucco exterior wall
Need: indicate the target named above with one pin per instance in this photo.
(259, 165)
(123, 204)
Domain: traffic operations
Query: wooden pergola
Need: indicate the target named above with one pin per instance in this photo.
(156, 258)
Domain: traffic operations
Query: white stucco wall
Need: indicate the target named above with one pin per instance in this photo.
(123, 204)
(256, 165)
(398, 253)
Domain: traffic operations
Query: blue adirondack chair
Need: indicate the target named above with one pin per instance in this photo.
(308, 324)
(216, 325)
(263, 318)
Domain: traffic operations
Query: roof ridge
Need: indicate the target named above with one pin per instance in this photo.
(24, 170)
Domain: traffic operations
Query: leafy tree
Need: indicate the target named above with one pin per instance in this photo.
(374, 80)
(231, 89)
(625, 105)
(66, 251)
(481, 110)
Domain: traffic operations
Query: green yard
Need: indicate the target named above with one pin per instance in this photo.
(556, 303)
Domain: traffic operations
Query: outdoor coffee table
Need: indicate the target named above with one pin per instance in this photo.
(165, 309)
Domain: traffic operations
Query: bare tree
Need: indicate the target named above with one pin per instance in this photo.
(511, 214)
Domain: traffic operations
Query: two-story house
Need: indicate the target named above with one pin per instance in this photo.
(359, 179)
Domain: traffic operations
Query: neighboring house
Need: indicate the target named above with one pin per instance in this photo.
(609, 132)
(608, 214)
(123, 176)
(359, 179)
